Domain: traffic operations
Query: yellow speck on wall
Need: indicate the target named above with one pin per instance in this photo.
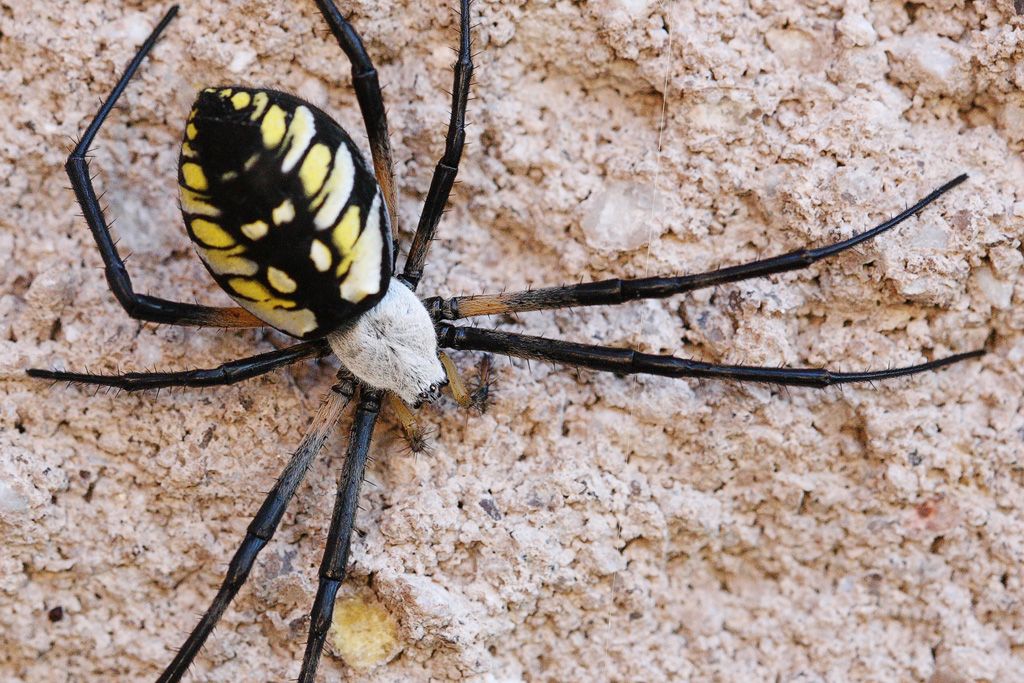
(364, 633)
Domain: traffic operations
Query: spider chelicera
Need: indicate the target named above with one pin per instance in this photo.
(296, 227)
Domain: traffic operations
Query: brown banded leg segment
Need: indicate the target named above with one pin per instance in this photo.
(232, 316)
(607, 292)
(138, 306)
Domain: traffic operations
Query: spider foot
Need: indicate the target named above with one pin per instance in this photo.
(480, 397)
(417, 437)
(419, 440)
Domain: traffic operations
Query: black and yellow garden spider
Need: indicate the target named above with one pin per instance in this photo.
(296, 227)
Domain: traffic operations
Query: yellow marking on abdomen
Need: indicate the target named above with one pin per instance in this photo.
(254, 230)
(314, 168)
(211, 234)
(241, 100)
(320, 255)
(363, 278)
(297, 322)
(254, 291)
(347, 231)
(336, 190)
(228, 262)
(193, 202)
(259, 103)
(191, 131)
(250, 289)
(226, 92)
(284, 212)
(300, 132)
(194, 176)
(280, 280)
(187, 151)
(364, 633)
(273, 127)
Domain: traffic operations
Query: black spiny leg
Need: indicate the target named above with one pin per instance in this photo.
(448, 167)
(371, 102)
(260, 530)
(138, 306)
(629, 362)
(605, 292)
(339, 538)
(228, 373)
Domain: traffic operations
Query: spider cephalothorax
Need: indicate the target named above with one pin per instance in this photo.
(393, 347)
(296, 227)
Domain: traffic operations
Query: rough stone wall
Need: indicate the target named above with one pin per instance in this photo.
(587, 527)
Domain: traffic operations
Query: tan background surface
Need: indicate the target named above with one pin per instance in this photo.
(587, 527)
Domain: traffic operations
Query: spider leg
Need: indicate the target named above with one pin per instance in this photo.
(227, 373)
(415, 435)
(339, 538)
(605, 292)
(260, 530)
(629, 362)
(138, 306)
(481, 393)
(455, 383)
(448, 167)
(371, 102)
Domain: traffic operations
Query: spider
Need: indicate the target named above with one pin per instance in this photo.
(297, 228)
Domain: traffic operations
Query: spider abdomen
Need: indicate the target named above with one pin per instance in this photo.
(283, 210)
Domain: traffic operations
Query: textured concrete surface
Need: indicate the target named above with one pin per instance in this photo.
(587, 527)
